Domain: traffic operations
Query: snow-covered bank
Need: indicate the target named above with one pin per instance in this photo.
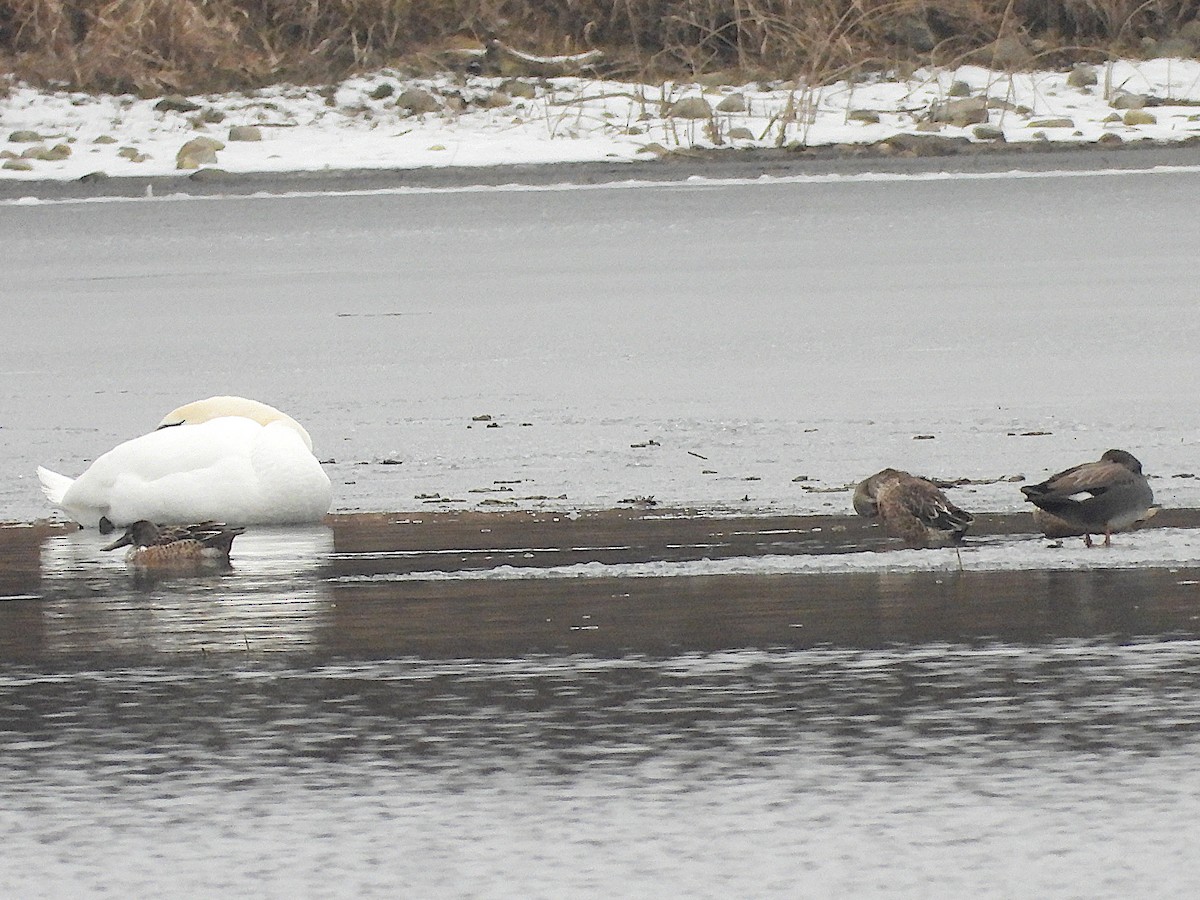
(375, 121)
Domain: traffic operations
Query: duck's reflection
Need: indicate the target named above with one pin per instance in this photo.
(272, 597)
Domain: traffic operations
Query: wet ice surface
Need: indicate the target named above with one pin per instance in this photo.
(744, 347)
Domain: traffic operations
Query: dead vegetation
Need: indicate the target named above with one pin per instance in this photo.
(191, 46)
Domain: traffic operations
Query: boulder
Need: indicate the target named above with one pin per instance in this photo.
(24, 136)
(988, 133)
(417, 101)
(1051, 123)
(690, 108)
(496, 100)
(197, 152)
(1082, 75)
(867, 116)
(960, 113)
(741, 133)
(1127, 100)
(1139, 117)
(515, 87)
(245, 133)
(176, 103)
(55, 153)
(732, 103)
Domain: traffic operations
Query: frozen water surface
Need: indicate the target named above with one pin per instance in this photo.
(322, 721)
(749, 346)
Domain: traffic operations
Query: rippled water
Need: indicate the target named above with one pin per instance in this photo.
(282, 730)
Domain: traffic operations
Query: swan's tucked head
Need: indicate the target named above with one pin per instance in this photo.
(216, 407)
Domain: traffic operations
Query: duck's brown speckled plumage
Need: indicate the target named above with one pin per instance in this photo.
(911, 508)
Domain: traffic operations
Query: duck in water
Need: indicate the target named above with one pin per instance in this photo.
(178, 546)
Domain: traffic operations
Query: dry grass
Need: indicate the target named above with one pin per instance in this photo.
(151, 46)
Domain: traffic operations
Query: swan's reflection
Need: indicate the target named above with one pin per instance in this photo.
(271, 598)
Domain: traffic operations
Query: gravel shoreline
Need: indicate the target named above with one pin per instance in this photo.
(836, 160)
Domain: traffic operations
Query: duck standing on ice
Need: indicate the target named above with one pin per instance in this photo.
(1092, 498)
(911, 508)
(224, 459)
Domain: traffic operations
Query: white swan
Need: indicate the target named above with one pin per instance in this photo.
(230, 459)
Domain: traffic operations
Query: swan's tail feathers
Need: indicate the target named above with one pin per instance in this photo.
(54, 485)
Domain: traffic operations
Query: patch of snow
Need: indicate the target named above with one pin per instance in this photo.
(569, 119)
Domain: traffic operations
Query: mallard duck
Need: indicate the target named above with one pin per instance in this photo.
(177, 546)
(911, 508)
(225, 458)
(1092, 498)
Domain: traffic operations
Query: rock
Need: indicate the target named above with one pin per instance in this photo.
(93, 177)
(1051, 123)
(930, 126)
(1111, 117)
(128, 152)
(198, 152)
(1082, 75)
(1110, 138)
(34, 152)
(8, 154)
(514, 87)
(211, 116)
(960, 113)
(210, 174)
(1191, 31)
(867, 116)
(1139, 117)
(55, 153)
(988, 133)
(923, 145)
(176, 103)
(732, 103)
(382, 91)
(24, 137)
(245, 133)
(496, 100)
(960, 89)
(741, 133)
(690, 108)
(18, 165)
(654, 147)
(1126, 100)
(417, 101)
(105, 139)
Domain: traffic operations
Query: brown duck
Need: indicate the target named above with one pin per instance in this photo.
(177, 546)
(911, 508)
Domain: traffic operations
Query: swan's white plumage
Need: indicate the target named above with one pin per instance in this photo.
(217, 464)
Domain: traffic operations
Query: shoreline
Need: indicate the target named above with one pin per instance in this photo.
(939, 155)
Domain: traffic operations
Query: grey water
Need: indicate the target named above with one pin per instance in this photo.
(293, 727)
(300, 726)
